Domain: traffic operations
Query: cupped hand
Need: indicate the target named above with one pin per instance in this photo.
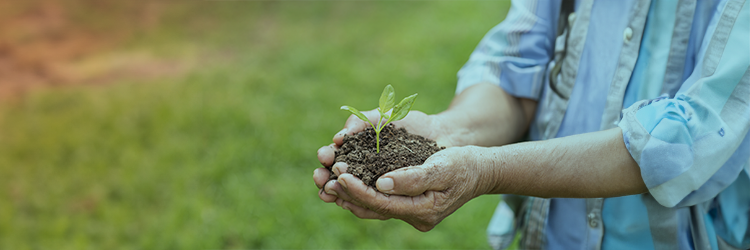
(416, 122)
(421, 195)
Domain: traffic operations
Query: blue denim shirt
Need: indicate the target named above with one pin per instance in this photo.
(674, 75)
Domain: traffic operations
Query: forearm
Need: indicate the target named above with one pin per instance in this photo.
(581, 166)
(485, 115)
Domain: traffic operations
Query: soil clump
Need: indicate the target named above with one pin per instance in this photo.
(398, 149)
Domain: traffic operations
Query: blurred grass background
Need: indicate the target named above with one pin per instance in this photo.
(219, 153)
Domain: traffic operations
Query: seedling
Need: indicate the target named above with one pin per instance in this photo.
(387, 101)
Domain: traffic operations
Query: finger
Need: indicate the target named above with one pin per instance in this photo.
(339, 202)
(368, 197)
(327, 154)
(340, 168)
(326, 197)
(321, 176)
(330, 188)
(410, 181)
(352, 126)
(333, 188)
(444, 142)
(338, 138)
(362, 213)
(409, 123)
(355, 125)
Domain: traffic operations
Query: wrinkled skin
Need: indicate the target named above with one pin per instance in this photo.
(419, 195)
(588, 165)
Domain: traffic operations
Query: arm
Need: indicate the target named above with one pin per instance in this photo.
(486, 115)
(587, 165)
(581, 166)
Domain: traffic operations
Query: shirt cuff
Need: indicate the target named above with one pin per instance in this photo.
(685, 155)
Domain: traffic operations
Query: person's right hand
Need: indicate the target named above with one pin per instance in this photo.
(416, 122)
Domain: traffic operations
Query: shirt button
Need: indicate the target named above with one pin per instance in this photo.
(592, 220)
(627, 34)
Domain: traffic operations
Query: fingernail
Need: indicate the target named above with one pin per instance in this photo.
(384, 184)
(336, 171)
(331, 192)
(346, 207)
(342, 182)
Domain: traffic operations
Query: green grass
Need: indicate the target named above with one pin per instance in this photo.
(222, 157)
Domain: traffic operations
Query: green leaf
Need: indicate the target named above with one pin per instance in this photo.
(403, 108)
(357, 113)
(387, 99)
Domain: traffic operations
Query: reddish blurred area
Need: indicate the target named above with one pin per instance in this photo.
(64, 42)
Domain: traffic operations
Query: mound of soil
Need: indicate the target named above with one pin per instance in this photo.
(398, 149)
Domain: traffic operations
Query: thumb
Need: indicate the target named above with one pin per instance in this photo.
(409, 181)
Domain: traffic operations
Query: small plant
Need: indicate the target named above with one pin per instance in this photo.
(387, 100)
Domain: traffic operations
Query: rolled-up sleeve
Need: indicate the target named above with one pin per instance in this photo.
(692, 146)
(514, 54)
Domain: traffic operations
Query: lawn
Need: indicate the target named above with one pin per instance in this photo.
(221, 156)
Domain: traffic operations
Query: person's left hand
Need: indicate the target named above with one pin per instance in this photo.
(421, 195)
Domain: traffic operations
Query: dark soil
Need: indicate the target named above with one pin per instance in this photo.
(398, 149)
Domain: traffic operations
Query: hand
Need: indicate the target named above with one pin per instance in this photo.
(416, 122)
(421, 195)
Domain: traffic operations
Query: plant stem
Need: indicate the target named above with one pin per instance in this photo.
(377, 139)
(377, 135)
